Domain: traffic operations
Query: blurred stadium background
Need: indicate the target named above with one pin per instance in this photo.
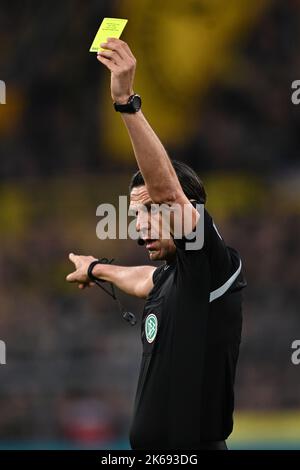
(216, 85)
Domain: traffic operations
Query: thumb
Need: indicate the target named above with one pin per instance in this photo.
(72, 277)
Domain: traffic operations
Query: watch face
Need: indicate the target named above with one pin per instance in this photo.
(137, 102)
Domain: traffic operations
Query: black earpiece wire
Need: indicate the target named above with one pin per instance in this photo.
(128, 316)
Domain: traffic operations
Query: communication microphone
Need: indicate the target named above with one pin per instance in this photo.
(128, 316)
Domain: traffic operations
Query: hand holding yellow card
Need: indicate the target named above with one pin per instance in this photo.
(109, 28)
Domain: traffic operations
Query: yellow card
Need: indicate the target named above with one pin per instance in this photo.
(109, 28)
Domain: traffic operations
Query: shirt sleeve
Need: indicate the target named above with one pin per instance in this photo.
(186, 244)
(214, 260)
(156, 274)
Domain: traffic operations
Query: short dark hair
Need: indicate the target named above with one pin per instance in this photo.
(191, 184)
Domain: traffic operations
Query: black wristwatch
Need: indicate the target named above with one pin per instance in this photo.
(132, 106)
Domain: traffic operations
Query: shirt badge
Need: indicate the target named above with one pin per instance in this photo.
(151, 324)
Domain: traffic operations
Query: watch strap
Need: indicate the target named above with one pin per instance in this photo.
(127, 107)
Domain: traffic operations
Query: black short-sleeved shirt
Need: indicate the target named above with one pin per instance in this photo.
(191, 330)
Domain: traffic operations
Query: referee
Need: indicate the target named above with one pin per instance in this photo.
(192, 319)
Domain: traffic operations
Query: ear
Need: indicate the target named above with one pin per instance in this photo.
(194, 202)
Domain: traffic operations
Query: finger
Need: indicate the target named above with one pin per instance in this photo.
(117, 46)
(81, 286)
(72, 277)
(121, 48)
(113, 56)
(108, 63)
(73, 258)
(91, 284)
(128, 50)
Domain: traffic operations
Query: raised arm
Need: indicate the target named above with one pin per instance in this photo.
(133, 280)
(160, 177)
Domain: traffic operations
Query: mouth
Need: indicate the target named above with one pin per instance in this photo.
(150, 244)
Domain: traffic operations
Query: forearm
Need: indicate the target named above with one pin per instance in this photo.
(133, 280)
(152, 158)
(153, 161)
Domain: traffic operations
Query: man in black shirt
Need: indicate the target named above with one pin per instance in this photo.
(191, 324)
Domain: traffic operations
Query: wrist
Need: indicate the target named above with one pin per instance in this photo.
(122, 99)
(132, 105)
(99, 271)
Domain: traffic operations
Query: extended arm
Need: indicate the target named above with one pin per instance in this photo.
(133, 280)
(159, 175)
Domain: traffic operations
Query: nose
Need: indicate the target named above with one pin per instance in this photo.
(142, 222)
(137, 224)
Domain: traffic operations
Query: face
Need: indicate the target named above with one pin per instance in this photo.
(149, 226)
